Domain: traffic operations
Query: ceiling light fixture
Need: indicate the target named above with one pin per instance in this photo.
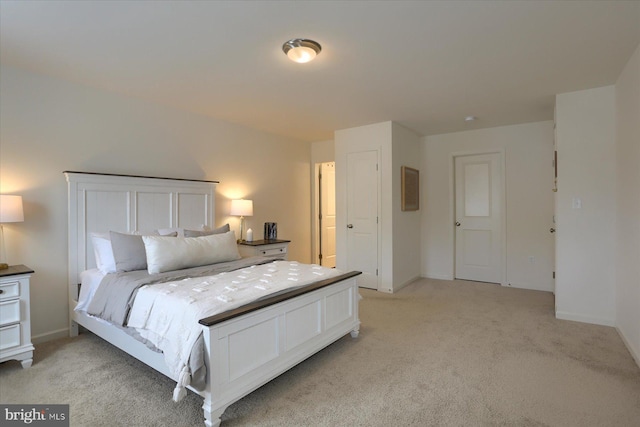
(301, 50)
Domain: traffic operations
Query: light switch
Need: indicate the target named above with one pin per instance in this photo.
(576, 203)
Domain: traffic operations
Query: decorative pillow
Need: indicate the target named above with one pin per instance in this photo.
(197, 233)
(103, 252)
(166, 254)
(128, 251)
(169, 231)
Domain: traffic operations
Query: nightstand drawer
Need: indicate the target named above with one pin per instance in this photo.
(273, 251)
(9, 290)
(9, 336)
(9, 312)
(276, 249)
(15, 316)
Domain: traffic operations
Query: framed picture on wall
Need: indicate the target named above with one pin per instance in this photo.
(410, 189)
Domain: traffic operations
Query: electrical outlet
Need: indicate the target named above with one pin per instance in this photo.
(576, 203)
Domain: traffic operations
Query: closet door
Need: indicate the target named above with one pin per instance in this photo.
(362, 216)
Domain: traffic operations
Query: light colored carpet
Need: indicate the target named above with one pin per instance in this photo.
(437, 353)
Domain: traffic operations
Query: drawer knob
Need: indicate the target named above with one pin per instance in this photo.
(1, 291)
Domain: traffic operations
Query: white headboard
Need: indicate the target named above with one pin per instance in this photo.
(124, 203)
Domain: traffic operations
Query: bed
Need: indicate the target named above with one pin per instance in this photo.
(243, 347)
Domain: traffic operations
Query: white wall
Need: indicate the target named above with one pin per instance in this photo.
(529, 200)
(585, 247)
(323, 151)
(406, 151)
(50, 125)
(628, 204)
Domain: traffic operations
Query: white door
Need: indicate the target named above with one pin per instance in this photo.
(479, 216)
(362, 216)
(327, 204)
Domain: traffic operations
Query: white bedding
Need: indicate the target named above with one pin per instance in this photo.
(167, 314)
(90, 280)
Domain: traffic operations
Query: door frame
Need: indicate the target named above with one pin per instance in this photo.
(315, 212)
(452, 207)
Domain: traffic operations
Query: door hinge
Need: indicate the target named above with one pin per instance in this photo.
(376, 166)
(320, 257)
(376, 220)
(319, 216)
(554, 274)
(376, 271)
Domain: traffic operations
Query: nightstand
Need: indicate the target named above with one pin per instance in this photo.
(15, 318)
(270, 248)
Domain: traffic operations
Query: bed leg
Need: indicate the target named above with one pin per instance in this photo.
(212, 418)
(73, 329)
(355, 332)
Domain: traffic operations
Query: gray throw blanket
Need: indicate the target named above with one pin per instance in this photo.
(114, 297)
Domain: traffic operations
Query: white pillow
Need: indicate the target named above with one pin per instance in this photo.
(169, 231)
(175, 253)
(105, 262)
(182, 232)
(198, 233)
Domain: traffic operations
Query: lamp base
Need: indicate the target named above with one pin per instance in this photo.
(3, 266)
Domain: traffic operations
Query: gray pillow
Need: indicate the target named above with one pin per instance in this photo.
(195, 233)
(128, 251)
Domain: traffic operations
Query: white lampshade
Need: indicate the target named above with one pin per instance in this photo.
(242, 207)
(11, 209)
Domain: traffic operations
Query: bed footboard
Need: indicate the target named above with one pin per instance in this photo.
(246, 352)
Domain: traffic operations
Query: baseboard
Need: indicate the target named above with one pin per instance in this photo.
(397, 288)
(635, 353)
(528, 287)
(49, 336)
(563, 315)
(439, 276)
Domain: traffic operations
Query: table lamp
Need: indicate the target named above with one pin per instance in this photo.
(241, 208)
(10, 211)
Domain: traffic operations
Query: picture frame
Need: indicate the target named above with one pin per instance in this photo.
(410, 189)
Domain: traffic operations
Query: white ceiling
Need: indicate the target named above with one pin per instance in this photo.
(424, 64)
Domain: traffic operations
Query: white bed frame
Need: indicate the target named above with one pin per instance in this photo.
(244, 350)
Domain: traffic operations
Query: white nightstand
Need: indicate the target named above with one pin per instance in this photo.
(15, 318)
(270, 248)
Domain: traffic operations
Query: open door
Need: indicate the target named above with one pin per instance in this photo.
(327, 215)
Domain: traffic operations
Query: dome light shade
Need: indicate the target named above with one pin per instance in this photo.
(301, 50)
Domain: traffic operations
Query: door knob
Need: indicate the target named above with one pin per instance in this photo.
(457, 223)
(552, 230)
(349, 225)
